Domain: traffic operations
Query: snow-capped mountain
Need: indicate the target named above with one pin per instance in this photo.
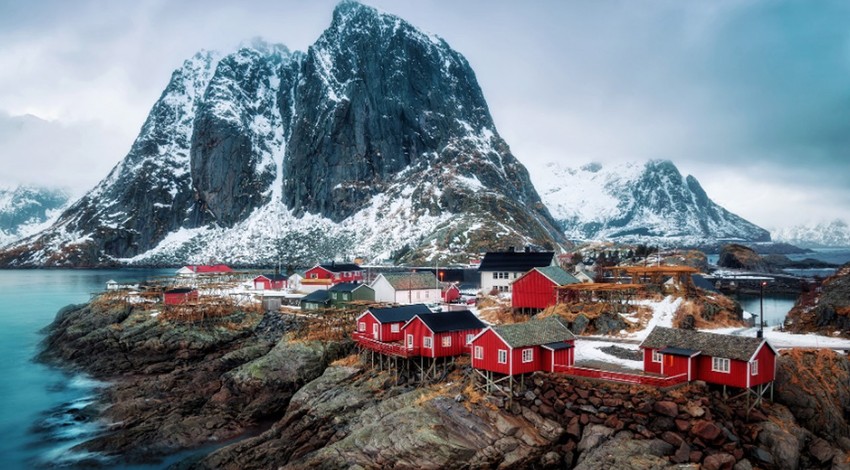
(26, 210)
(820, 235)
(375, 142)
(637, 202)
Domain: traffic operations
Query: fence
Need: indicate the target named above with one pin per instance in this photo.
(623, 376)
(390, 349)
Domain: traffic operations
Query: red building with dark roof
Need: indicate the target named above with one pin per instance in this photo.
(443, 334)
(384, 324)
(521, 348)
(333, 273)
(736, 361)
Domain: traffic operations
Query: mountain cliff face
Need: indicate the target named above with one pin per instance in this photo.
(635, 202)
(820, 235)
(375, 142)
(25, 210)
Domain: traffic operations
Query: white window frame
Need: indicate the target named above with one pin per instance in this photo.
(754, 367)
(503, 356)
(479, 352)
(394, 328)
(446, 341)
(495, 275)
(657, 356)
(469, 337)
(375, 329)
(409, 341)
(362, 327)
(314, 275)
(721, 364)
(428, 342)
(527, 355)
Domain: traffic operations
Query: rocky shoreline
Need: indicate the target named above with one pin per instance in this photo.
(291, 403)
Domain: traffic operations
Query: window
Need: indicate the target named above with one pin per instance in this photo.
(375, 329)
(479, 352)
(447, 341)
(656, 356)
(495, 275)
(503, 356)
(394, 328)
(362, 326)
(314, 276)
(754, 367)
(345, 296)
(428, 342)
(469, 337)
(409, 341)
(527, 355)
(720, 364)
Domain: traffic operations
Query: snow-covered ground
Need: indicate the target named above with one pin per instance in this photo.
(663, 311)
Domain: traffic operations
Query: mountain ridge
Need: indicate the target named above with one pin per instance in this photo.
(376, 142)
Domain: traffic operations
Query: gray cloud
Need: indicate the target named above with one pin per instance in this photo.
(755, 93)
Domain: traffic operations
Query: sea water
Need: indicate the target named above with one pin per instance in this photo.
(42, 408)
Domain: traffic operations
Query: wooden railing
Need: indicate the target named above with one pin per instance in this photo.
(389, 349)
(623, 376)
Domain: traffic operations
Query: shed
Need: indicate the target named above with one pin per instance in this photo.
(180, 295)
(316, 300)
(270, 282)
(406, 287)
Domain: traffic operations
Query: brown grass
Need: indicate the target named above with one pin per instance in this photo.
(352, 360)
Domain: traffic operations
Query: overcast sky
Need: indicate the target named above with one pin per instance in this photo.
(750, 97)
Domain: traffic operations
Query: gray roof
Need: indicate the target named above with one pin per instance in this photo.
(535, 332)
(348, 287)
(401, 313)
(320, 297)
(515, 261)
(558, 275)
(740, 348)
(411, 281)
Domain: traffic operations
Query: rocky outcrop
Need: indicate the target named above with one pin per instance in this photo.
(826, 309)
(351, 417)
(742, 257)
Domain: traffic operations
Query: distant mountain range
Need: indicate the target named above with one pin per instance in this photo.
(376, 142)
(26, 209)
(818, 235)
(647, 202)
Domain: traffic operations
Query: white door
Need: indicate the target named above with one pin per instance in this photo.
(375, 330)
(409, 341)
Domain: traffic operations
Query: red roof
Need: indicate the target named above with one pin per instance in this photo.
(206, 269)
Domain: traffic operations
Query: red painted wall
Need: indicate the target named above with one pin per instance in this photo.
(181, 298)
(451, 294)
(491, 343)
(648, 365)
(336, 278)
(737, 376)
(533, 290)
(767, 366)
(675, 365)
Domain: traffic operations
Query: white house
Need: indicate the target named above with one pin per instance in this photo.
(294, 281)
(407, 288)
(499, 269)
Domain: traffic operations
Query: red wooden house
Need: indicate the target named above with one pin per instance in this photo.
(270, 282)
(449, 291)
(180, 295)
(384, 324)
(333, 273)
(521, 348)
(443, 334)
(736, 361)
(535, 290)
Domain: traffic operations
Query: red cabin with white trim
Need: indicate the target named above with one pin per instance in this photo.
(521, 348)
(449, 292)
(443, 334)
(384, 324)
(735, 361)
(333, 273)
(270, 282)
(536, 288)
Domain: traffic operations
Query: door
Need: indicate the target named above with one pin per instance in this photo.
(409, 341)
(375, 330)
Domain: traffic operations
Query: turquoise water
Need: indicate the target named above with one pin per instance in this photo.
(39, 405)
(776, 306)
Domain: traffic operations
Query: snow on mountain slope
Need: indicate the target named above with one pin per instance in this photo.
(637, 202)
(26, 210)
(377, 142)
(820, 235)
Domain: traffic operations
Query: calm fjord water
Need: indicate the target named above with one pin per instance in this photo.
(39, 419)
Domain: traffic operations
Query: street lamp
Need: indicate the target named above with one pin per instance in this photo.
(760, 333)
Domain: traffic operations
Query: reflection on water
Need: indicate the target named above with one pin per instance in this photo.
(776, 306)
